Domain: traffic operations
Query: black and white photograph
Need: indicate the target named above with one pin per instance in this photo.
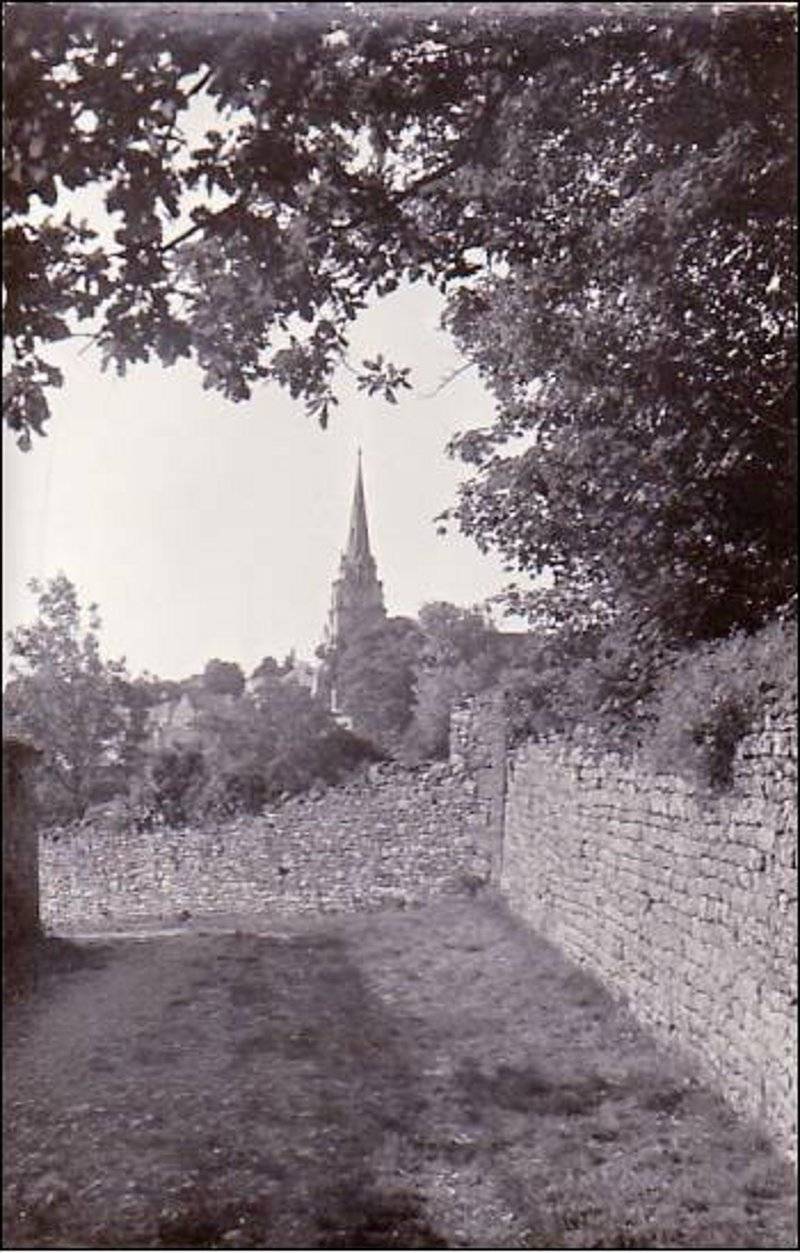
(400, 625)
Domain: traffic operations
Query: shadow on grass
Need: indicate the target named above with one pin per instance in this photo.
(29, 968)
(200, 1224)
(333, 1080)
(345, 1215)
(526, 1090)
(355, 1217)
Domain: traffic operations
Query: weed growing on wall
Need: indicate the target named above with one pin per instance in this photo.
(581, 677)
(709, 699)
(629, 689)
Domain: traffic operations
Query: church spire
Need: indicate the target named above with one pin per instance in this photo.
(358, 536)
(357, 594)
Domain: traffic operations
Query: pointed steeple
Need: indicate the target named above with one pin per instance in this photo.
(357, 549)
(357, 594)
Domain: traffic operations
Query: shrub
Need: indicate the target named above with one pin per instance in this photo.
(711, 697)
(327, 760)
(599, 678)
(171, 788)
(341, 751)
(687, 710)
(244, 791)
(182, 785)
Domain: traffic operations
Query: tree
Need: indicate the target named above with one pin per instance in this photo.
(268, 670)
(137, 697)
(223, 678)
(279, 739)
(452, 635)
(64, 697)
(171, 789)
(605, 194)
(640, 340)
(459, 656)
(373, 676)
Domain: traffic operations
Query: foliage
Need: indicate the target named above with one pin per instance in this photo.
(373, 675)
(223, 678)
(437, 692)
(685, 709)
(286, 718)
(172, 788)
(459, 657)
(452, 635)
(267, 670)
(137, 697)
(242, 752)
(249, 251)
(604, 193)
(592, 676)
(639, 340)
(243, 792)
(71, 703)
(278, 740)
(711, 697)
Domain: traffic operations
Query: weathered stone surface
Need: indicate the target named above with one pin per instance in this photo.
(683, 904)
(397, 838)
(478, 752)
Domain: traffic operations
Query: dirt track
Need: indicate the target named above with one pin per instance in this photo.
(422, 1080)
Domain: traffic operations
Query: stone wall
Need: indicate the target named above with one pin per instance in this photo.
(683, 903)
(396, 837)
(478, 749)
(20, 846)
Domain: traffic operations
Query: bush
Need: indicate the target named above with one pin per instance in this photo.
(182, 785)
(598, 678)
(686, 710)
(244, 792)
(173, 784)
(710, 698)
(327, 760)
(341, 751)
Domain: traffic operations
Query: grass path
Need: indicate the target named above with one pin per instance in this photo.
(431, 1079)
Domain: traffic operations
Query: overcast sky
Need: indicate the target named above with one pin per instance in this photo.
(207, 529)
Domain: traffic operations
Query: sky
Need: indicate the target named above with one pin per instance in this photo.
(204, 528)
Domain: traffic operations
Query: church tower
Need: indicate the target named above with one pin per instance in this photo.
(356, 595)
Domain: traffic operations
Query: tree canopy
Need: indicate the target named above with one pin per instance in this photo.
(373, 671)
(605, 194)
(460, 654)
(74, 705)
(277, 739)
(224, 678)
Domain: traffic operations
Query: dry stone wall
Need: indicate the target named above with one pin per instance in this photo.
(683, 903)
(394, 838)
(478, 738)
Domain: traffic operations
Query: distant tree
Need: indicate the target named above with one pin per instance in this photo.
(172, 790)
(269, 669)
(459, 656)
(223, 678)
(276, 739)
(138, 697)
(373, 675)
(452, 634)
(67, 699)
